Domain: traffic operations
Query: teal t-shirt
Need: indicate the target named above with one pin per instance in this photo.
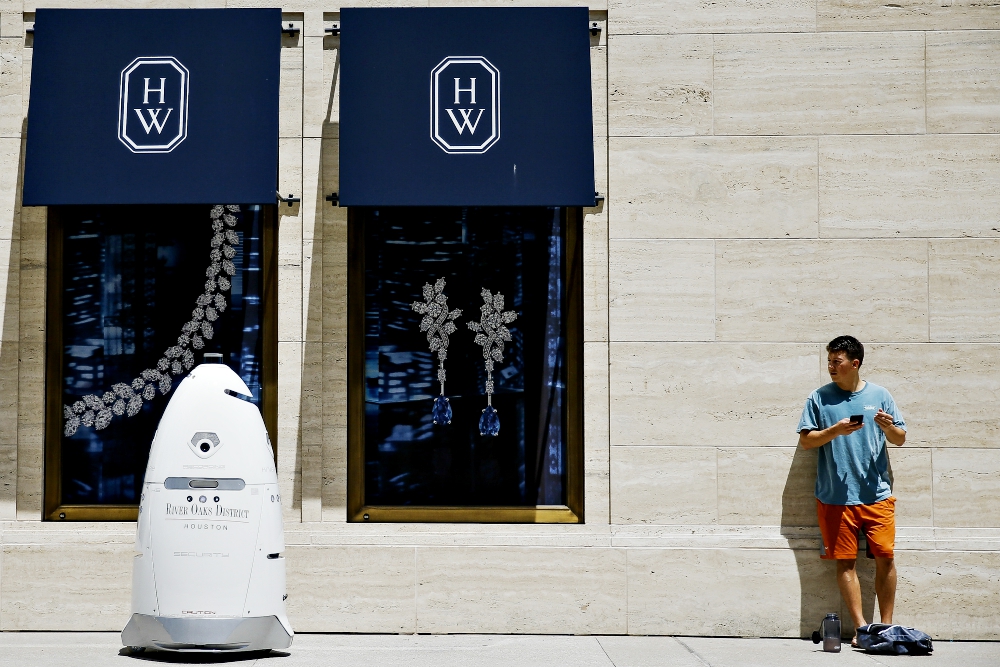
(853, 469)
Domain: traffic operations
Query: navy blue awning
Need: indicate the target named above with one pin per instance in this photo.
(139, 106)
(509, 119)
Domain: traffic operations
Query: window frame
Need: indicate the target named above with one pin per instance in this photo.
(53, 507)
(357, 510)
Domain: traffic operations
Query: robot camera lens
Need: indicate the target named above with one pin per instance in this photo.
(190, 498)
(202, 499)
(205, 447)
(216, 499)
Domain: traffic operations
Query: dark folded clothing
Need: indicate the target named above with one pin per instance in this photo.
(894, 639)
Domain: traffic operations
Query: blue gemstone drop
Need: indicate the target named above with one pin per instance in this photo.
(441, 414)
(489, 422)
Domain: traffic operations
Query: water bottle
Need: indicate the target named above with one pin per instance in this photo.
(829, 634)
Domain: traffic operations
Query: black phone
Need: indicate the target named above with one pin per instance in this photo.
(857, 419)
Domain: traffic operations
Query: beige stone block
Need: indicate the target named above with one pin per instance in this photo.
(957, 409)
(26, 56)
(963, 81)
(66, 587)
(966, 488)
(31, 291)
(335, 277)
(714, 187)
(32, 5)
(595, 276)
(334, 473)
(663, 485)
(660, 85)
(905, 15)
(912, 485)
(11, 108)
(790, 290)
(596, 435)
(351, 588)
(290, 91)
(312, 402)
(290, 182)
(10, 280)
(733, 394)
(315, 95)
(964, 290)
(909, 186)
(331, 87)
(312, 483)
(599, 85)
(11, 20)
(335, 384)
(8, 392)
(950, 595)
(289, 302)
(729, 592)
(658, 17)
(768, 486)
(312, 189)
(857, 83)
(30, 430)
(312, 291)
(521, 589)
(10, 193)
(661, 290)
(8, 485)
(289, 428)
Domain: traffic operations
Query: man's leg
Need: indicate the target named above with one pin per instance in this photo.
(850, 589)
(885, 586)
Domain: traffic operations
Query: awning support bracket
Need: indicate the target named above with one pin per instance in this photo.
(290, 199)
(333, 198)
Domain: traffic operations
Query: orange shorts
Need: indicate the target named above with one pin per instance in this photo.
(839, 526)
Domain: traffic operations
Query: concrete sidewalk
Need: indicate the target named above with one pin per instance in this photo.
(70, 649)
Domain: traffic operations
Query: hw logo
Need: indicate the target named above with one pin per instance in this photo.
(465, 104)
(153, 105)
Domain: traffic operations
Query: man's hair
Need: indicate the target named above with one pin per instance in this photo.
(850, 346)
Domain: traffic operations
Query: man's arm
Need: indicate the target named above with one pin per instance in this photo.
(893, 433)
(813, 439)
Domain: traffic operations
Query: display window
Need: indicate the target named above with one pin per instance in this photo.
(465, 364)
(137, 295)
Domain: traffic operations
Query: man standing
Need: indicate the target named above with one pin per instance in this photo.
(849, 420)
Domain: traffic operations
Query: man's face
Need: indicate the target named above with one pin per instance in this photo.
(840, 367)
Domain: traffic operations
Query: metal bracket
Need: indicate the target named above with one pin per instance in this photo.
(598, 198)
(291, 30)
(334, 31)
(290, 199)
(333, 198)
(595, 28)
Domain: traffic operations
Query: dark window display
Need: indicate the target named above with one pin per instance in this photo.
(141, 294)
(467, 356)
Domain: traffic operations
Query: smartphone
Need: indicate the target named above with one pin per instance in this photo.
(857, 419)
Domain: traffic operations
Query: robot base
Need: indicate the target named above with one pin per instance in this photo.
(206, 634)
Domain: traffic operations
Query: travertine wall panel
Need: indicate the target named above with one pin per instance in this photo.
(63, 586)
(11, 109)
(582, 591)
(949, 593)
(659, 85)
(596, 455)
(947, 393)
(664, 485)
(690, 591)
(963, 81)
(859, 83)
(351, 588)
(710, 394)
(714, 187)
(657, 17)
(909, 186)
(912, 484)
(964, 290)
(661, 290)
(804, 290)
(763, 486)
(905, 15)
(967, 487)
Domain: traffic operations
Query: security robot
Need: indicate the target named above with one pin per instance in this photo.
(209, 568)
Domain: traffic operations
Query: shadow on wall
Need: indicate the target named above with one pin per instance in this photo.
(819, 594)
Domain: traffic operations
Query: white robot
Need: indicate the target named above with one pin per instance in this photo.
(209, 568)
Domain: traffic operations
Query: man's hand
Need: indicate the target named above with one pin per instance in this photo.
(814, 439)
(893, 433)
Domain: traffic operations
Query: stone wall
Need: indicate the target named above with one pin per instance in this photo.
(777, 172)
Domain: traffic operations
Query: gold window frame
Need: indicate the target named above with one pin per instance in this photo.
(54, 508)
(357, 510)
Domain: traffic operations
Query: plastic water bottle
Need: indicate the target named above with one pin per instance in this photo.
(831, 633)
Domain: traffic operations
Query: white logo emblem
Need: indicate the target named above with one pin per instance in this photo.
(153, 105)
(465, 104)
